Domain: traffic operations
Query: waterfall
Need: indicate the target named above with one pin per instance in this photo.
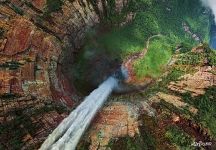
(66, 136)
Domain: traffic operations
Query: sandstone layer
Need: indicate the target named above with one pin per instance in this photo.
(36, 41)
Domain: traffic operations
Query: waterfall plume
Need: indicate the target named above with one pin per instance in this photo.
(67, 135)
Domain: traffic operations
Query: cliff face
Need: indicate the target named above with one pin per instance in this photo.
(37, 39)
(34, 37)
(34, 48)
(182, 99)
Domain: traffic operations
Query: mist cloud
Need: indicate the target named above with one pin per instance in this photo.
(210, 4)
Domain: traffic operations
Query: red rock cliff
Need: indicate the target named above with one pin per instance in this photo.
(34, 45)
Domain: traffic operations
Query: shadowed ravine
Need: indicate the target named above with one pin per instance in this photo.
(66, 136)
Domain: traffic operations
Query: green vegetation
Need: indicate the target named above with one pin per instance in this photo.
(206, 105)
(143, 141)
(179, 138)
(167, 18)
(48, 107)
(211, 56)
(14, 130)
(198, 58)
(207, 110)
(17, 9)
(152, 89)
(12, 65)
(158, 55)
(173, 75)
(8, 96)
(182, 66)
(132, 143)
(152, 17)
(191, 58)
(173, 109)
(21, 122)
(52, 6)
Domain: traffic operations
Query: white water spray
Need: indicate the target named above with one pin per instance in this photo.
(66, 136)
(210, 4)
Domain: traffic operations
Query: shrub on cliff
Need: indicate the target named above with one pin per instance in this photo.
(179, 138)
(52, 6)
(1, 32)
(11, 65)
(191, 58)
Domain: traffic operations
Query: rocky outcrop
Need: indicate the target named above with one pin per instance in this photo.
(28, 120)
(107, 124)
(189, 32)
(37, 43)
(39, 4)
(34, 51)
(174, 100)
(32, 43)
(25, 59)
(116, 120)
(196, 83)
(18, 37)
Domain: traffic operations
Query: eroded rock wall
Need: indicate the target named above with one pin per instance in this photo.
(35, 40)
(35, 43)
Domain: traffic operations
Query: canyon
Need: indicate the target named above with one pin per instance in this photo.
(41, 45)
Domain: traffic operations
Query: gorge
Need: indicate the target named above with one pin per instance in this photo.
(60, 60)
